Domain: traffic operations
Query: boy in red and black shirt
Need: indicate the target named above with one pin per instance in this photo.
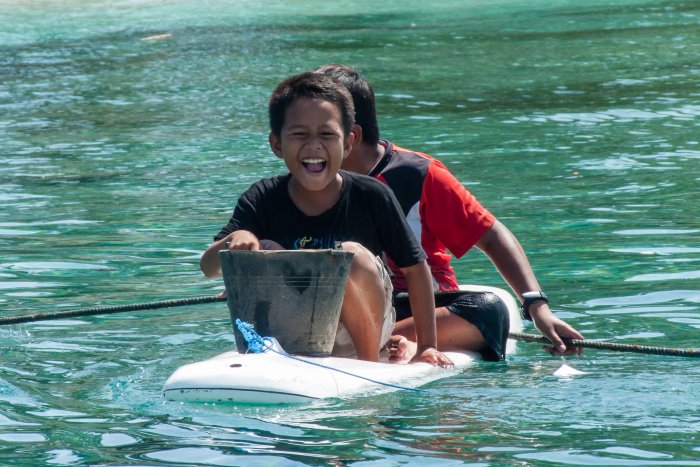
(444, 216)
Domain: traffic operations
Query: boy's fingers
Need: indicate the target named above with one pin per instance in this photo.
(570, 333)
(253, 246)
(558, 343)
(557, 346)
(434, 357)
(446, 362)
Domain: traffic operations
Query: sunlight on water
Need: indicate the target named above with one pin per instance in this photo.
(128, 130)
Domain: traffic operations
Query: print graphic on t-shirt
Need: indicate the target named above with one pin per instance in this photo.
(309, 243)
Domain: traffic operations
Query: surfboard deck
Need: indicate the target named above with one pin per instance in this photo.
(274, 378)
(271, 378)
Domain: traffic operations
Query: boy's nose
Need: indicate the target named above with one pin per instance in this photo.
(313, 143)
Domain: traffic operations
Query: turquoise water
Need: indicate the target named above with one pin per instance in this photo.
(576, 123)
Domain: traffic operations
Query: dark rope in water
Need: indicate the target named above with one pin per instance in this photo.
(645, 349)
(111, 309)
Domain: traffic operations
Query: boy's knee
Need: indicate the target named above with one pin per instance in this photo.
(362, 257)
(366, 272)
(497, 307)
(493, 302)
(353, 247)
(480, 302)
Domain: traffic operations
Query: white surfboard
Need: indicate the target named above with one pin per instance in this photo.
(276, 378)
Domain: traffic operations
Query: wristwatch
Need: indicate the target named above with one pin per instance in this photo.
(528, 299)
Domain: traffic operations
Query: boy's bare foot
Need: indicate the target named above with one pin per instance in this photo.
(401, 350)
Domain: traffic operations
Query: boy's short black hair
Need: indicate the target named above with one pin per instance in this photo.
(314, 86)
(362, 97)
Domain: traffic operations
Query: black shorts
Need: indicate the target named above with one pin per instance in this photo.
(485, 310)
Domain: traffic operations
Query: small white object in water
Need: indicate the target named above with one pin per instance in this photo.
(565, 371)
(157, 37)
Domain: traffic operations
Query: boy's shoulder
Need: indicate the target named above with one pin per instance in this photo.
(399, 158)
(405, 167)
(404, 164)
(363, 182)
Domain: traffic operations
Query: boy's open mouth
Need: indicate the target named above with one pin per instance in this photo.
(314, 165)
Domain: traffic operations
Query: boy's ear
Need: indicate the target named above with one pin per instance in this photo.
(357, 131)
(275, 145)
(348, 142)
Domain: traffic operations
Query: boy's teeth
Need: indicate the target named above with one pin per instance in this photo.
(314, 165)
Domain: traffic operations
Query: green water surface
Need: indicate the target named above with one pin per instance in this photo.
(575, 123)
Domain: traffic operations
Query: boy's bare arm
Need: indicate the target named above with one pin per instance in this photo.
(238, 240)
(506, 253)
(420, 294)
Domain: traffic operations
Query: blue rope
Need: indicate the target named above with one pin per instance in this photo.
(259, 344)
(255, 342)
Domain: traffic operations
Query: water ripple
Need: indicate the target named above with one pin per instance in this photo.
(656, 232)
(652, 250)
(620, 115)
(42, 266)
(690, 296)
(668, 276)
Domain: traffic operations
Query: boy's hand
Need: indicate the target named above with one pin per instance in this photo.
(433, 356)
(555, 329)
(242, 240)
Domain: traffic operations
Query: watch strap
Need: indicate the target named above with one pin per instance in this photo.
(528, 299)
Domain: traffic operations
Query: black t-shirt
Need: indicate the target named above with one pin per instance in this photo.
(366, 212)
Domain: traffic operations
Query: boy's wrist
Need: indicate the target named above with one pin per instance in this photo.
(529, 299)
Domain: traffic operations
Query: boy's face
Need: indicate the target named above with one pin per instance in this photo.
(312, 142)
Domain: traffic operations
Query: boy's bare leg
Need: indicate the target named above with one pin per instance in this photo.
(362, 311)
(453, 333)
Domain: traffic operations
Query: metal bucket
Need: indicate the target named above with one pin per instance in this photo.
(293, 296)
